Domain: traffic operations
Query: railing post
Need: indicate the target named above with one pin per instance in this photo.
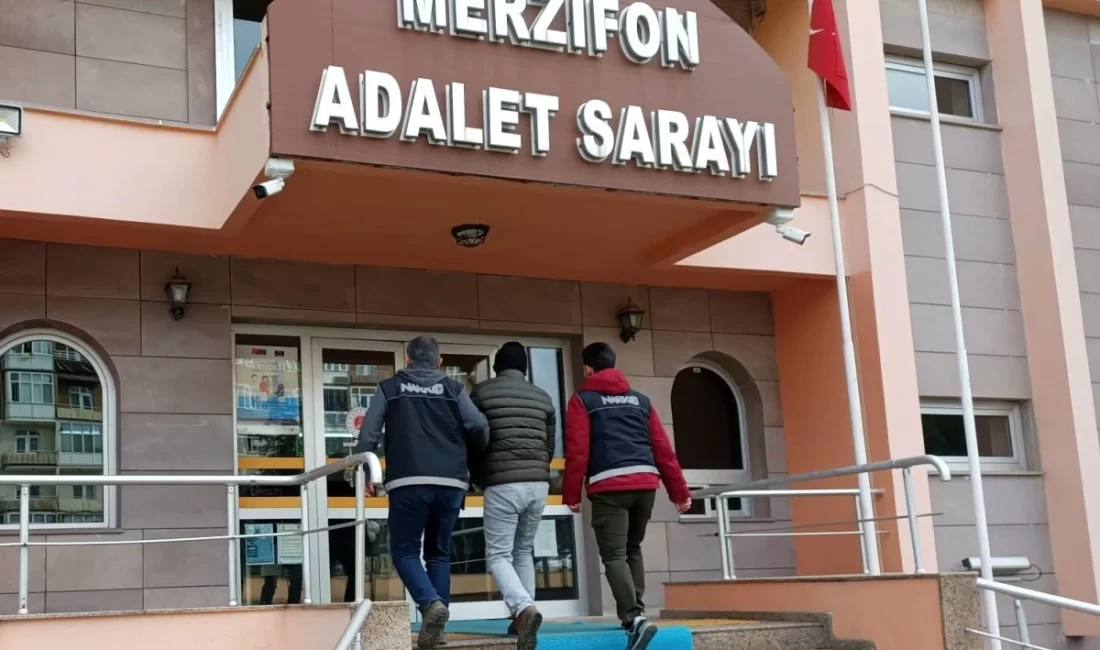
(24, 548)
(911, 509)
(307, 578)
(360, 533)
(232, 543)
(862, 536)
(1021, 621)
(723, 513)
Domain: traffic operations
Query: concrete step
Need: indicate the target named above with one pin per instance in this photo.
(707, 634)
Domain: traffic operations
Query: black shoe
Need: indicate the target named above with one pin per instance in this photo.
(435, 616)
(640, 634)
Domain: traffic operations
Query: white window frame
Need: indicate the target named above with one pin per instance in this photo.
(970, 75)
(47, 380)
(225, 76)
(23, 437)
(108, 424)
(82, 430)
(1011, 410)
(80, 392)
(703, 478)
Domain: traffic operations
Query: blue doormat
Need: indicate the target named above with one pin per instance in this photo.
(575, 635)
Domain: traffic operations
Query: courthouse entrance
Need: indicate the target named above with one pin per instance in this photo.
(300, 392)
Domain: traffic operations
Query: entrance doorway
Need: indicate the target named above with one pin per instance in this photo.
(338, 375)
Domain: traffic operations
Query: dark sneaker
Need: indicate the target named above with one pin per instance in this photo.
(640, 634)
(435, 616)
(527, 626)
(512, 628)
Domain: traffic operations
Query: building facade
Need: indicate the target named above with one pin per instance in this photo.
(146, 124)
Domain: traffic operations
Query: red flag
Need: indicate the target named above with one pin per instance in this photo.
(827, 55)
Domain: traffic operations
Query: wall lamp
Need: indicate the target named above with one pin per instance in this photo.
(630, 321)
(177, 288)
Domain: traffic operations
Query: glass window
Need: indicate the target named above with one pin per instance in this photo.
(958, 91)
(49, 425)
(80, 397)
(30, 387)
(27, 441)
(997, 428)
(269, 410)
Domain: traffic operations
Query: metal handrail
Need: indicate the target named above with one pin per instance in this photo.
(1019, 594)
(722, 493)
(362, 464)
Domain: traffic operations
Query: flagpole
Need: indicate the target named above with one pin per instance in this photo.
(989, 599)
(855, 406)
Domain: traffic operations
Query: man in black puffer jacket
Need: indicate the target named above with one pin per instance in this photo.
(515, 473)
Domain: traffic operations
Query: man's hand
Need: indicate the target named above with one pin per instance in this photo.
(575, 508)
(369, 489)
(683, 506)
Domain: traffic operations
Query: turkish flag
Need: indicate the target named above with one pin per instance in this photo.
(827, 55)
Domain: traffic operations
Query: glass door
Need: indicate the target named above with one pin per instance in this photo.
(346, 374)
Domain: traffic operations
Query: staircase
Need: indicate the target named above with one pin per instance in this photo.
(795, 632)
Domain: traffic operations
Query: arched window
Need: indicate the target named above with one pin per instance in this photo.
(57, 416)
(709, 425)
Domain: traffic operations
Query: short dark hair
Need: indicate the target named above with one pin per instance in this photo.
(599, 356)
(423, 351)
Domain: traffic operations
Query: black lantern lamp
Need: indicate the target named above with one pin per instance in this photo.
(177, 289)
(470, 235)
(630, 320)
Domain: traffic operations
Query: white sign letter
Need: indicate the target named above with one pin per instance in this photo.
(422, 15)
(334, 103)
(379, 104)
(640, 29)
(709, 149)
(680, 44)
(670, 134)
(765, 150)
(576, 26)
(501, 118)
(422, 115)
(460, 135)
(541, 108)
(468, 18)
(541, 31)
(632, 142)
(594, 122)
(739, 139)
(506, 21)
(603, 15)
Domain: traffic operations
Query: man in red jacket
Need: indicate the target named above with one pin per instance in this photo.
(615, 439)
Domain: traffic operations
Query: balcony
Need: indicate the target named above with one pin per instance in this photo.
(68, 412)
(28, 459)
(24, 412)
(41, 504)
(28, 362)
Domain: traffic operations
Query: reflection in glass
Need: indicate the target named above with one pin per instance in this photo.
(268, 376)
(555, 562)
(51, 423)
(381, 582)
(271, 566)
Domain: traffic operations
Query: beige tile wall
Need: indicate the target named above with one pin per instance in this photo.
(139, 58)
(185, 424)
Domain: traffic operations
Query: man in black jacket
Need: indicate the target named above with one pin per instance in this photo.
(430, 427)
(515, 473)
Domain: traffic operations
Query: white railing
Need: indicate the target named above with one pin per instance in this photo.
(761, 488)
(362, 463)
(1020, 594)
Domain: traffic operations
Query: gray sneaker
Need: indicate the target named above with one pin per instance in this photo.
(435, 616)
(640, 634)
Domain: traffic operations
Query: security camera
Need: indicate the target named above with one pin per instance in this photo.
(277, 170)
(1002, 566)
(264, 190)
(793, 234)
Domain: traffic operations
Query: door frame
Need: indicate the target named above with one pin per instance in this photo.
(312, 340)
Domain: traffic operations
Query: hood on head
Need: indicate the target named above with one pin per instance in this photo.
(609, 382)
(422, 376)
